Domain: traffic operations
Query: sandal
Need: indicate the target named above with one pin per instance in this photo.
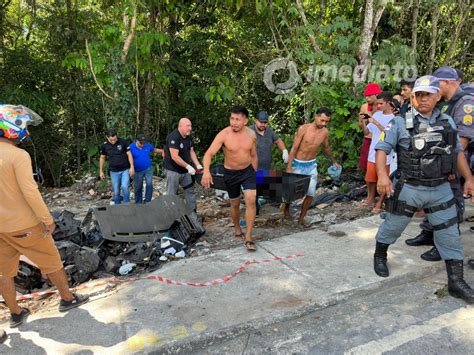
(365, 205)
(239, 236)
(250, 245)
(469, 219)
(376, 210)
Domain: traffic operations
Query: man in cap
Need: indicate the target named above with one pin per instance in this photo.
(266, 137)
(142, 163)
(367, 109)
(459, 105)
(120, 165)
(428, 151)
(178, 159)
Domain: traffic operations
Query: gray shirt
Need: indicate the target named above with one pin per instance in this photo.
(264, 147)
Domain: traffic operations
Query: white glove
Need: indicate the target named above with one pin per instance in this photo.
(199, 167)
(191, 170)
(285, 156)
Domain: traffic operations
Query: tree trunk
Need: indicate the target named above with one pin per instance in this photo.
(464, 14)
(372, 17)
(414, 26)
(434, 38)
(305, 22)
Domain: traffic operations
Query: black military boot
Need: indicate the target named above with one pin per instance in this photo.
(457, 287)
(380, 259)
(424, 238)
(431, 255)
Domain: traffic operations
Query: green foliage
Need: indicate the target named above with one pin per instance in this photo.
(198, 59)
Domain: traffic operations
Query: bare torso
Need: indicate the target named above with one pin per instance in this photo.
(312, 139)
(237, 147)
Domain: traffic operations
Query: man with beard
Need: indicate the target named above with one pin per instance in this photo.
(240, 163)
(302, 158)
(179, 154)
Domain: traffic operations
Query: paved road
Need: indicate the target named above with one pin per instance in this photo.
(408, 319)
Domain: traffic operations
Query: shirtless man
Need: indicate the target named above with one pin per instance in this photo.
(302, 158)
(240, 163)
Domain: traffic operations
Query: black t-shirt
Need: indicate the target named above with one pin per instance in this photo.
(184, 145)
(117, 154)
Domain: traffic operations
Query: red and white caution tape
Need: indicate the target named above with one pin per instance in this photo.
(118, 280)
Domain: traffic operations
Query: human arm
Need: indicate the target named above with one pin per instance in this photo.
(195, 159)
(384, 184)
(294, 149)
(216, 144)
(253, 153)
(130, 160)
(465, 171)
(159, 151)
(279, 143)
(30, 192)
(327, 151)
(101, 166)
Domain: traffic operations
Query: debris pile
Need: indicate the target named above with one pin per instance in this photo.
(118, 240)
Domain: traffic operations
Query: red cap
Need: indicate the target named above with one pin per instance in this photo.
(372, 89)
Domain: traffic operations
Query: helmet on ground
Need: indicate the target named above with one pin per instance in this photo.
(14, 120)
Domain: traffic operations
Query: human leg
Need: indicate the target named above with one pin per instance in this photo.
(148, 184)
(187, 183)
(138, 186)
(125, 185)
(116, 178)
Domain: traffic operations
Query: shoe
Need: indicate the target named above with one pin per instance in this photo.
(431, 255)
(380, 259)
(424, 238)
(76, 302)
(3, 336)
(457, 287)
(471, 263)
(18, 319)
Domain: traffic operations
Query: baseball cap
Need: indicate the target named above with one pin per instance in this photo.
(427, 83)
(262, 116)
(142, 138)
(111, 132)
(372, 89)
(446, 73)
(460, 74)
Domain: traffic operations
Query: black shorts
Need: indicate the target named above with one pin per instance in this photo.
(233, 179)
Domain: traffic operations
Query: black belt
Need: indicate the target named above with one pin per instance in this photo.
(429, 183)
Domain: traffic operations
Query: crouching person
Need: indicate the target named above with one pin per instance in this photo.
(26, 226)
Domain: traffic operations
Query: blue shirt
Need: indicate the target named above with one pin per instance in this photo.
(141, 156)
(397, 134)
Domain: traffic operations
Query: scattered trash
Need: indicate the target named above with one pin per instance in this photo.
(125, 269)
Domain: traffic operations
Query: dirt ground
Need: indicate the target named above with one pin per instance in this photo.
(215, 210)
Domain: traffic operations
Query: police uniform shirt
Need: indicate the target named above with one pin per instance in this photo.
(175, 140)
(462, 113)
(117, 154)
(396, 133)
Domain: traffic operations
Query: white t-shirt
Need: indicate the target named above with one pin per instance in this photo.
(383, 120)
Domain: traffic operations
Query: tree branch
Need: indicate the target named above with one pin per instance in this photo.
(93, 73)
(306, 23)
(131, 34)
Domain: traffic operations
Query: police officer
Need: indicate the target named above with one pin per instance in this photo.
(457, 104)
(428, 150)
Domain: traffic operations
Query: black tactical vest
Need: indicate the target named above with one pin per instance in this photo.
(431, 155)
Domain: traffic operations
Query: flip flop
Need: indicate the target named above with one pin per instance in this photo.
(365, 205)
(250, 245)
(239, 236)
(469, 219)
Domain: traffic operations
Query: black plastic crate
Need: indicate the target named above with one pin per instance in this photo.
(217, 172)
(273, 185)
(281, 186)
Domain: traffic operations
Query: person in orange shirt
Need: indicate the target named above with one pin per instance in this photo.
(26, 226)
